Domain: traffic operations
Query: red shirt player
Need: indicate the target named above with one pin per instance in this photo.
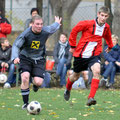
(87, 52)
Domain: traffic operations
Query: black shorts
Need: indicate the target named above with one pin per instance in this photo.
(36, 68)
(81, 64)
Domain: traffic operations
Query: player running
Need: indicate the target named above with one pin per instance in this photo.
(87, 52)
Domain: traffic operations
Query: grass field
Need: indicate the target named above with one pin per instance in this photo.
(54, 107)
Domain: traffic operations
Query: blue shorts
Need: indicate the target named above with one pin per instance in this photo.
(81, 64)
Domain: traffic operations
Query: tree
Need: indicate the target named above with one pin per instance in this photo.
(2, 7)
(65, 9)
(116, 20)
(110, 19)
(39, 6)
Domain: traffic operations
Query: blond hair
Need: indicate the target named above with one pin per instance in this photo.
(115, 37)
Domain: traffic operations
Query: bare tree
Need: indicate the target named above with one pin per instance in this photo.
(110, 19)
(39, 6)
(65, 9)
(116, 20)
(2, 7)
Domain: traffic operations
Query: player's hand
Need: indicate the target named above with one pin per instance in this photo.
(58, 19)
(16, 61)
(72, 50)
(117, 63)
(2, 64)
(6, 65)
(106, 62)
(107, 50)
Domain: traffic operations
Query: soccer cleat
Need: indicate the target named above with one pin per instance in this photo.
(35, 88)
(66, 94)
(91, 101)
(103, 82)
(25, 106)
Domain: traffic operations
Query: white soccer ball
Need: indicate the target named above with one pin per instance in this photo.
(7, 85)
(3, 78)
(34, 107)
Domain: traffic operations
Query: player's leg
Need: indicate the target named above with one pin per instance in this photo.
(25, 88)
(38, 72)
(25, 70)
(94, 84)
(71, 78)
(37, 82)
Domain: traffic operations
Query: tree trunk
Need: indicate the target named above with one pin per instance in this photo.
(64, 9)
(116, 20)
(110, 19)
(2, 7)
(39, 6)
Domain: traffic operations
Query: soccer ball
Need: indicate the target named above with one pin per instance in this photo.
(34, 107)
(6, 85)
(3, 78)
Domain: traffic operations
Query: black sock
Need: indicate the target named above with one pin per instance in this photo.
(25, 95)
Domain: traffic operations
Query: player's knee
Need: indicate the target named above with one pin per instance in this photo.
(25, 79)
(39, 82)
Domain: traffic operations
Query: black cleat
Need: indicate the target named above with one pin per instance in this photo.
(25, 106)
(91, 101)
(35, 88)
(66, 94)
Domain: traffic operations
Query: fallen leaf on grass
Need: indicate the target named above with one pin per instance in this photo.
(9, 108)
(52, 113)
(72, 118)
(17, 105)
(33, 118)
(107, 101)
(56, 116)
(111, 111)
(58, 95)
(85, 115)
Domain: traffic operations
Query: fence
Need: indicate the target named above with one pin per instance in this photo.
(17, 17)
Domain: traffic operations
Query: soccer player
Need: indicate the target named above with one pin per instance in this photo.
(28, 51)
(87, 52)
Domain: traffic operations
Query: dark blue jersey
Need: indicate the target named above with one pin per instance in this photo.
(32, 45)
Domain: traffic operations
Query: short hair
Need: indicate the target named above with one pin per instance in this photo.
(63, 33)
(36, 17)
(2, 39)
(34, 9)
(104, 9)
(115, 37)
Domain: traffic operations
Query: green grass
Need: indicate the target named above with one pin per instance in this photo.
(54, 107)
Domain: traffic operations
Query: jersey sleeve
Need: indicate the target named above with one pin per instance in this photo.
(52, 28)
(108, 38)
(81, 26)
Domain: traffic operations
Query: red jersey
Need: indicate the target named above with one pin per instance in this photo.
(90, 43)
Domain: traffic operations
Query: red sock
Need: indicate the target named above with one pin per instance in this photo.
(94, 87)
(69, 84)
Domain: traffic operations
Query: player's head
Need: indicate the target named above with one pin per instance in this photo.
(114, 39)
(34, 11)
(103, 15)
(63, 37)
(37, 24)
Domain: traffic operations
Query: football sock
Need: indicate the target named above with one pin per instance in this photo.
(94, 87)
(25, 95)
(69, 84)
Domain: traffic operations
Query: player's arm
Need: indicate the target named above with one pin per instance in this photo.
(81, 26)
(108, 39)
(16, 49)
(53, 27)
